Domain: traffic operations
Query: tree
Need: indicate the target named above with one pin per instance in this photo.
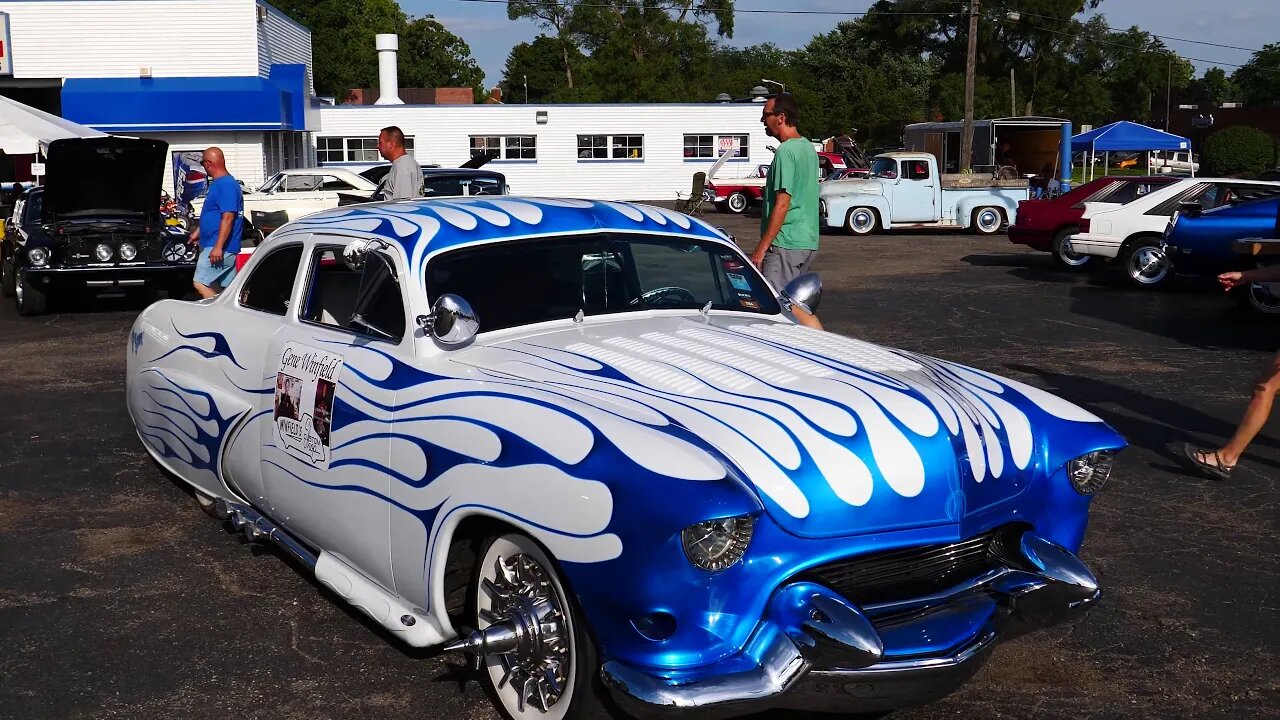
(541, 61)
(551, 16)
(1259, 79)
(1212, 90)
(1238, 150)
(342, 45)
(431, 56)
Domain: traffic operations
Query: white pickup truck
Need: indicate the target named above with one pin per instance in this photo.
(905, 190)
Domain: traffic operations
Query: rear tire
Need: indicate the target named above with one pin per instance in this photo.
(31, 300)
(987, 220)
(1064, 257)
(1258, 298)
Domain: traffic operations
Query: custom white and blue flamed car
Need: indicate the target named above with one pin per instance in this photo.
(585, 442)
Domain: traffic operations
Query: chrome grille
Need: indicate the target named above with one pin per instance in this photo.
(914, 572)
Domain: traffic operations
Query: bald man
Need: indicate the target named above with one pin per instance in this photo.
(220, 228)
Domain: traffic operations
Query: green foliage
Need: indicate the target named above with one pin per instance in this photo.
(1259, 79)
(1238, 150)
(542, 62)
(342, 46)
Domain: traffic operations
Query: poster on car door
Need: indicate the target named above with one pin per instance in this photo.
(306, 382)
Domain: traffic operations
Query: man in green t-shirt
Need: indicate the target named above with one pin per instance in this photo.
(789, 217)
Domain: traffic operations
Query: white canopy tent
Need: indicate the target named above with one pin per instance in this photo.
(25, 130)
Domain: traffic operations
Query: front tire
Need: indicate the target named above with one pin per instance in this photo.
(1144, 266)
(861, 221)
(1064, 256)
(1259, 298)
(551, 674)
(31, 300)
(737, 203)
(987, 220)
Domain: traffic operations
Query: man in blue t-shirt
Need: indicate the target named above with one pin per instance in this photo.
(220, 228)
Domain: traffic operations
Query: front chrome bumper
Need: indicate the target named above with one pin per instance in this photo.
(816, 651)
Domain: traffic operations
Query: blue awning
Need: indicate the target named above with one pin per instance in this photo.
(1125, 135)
(123, 105)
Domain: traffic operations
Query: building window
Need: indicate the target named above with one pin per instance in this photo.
(709, 146)
(352, 149)
(505, 147)
(610, 147)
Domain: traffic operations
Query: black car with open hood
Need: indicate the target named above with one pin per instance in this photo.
(94, 225)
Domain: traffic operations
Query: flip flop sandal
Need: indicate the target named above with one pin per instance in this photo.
(1216, 469)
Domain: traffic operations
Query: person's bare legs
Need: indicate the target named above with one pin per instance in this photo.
(205, 291)
(1255, 415)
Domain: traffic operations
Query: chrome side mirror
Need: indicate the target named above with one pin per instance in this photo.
(452, 322)
(805, 291)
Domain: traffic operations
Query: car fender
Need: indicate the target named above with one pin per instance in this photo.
(838, 207)
(966, 205)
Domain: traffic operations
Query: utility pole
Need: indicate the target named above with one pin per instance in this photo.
(1168, 92)
(1013, 95)
(526, 89)
(966, 137)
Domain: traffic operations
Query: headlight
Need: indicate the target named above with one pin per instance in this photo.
(38, 256)
(103, 252)
(716, 544)
(128, 252)
(1090, 471)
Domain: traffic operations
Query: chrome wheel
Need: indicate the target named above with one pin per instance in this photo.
(1065, 256)
(523, 610)
(737, 203)
(1146, 266)
(861, 221)
(987, 220)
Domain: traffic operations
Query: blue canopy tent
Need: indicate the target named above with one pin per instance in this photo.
(1127, 136)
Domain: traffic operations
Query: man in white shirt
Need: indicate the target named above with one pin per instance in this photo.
(404, 182)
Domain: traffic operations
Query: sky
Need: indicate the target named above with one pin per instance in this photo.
(1241, 23)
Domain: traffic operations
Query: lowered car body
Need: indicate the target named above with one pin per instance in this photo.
(667, 483)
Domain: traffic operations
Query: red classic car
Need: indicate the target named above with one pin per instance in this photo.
(1048, 224)
(735, 195)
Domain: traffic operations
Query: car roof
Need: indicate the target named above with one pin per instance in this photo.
(421, 228)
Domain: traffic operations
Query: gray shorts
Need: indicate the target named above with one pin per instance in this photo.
(782, 265)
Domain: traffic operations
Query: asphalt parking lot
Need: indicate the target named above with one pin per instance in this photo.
(119, 599)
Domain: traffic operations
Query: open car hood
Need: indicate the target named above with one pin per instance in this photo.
(107, 176)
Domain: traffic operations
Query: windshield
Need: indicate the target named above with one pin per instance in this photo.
(32, 209)
(554, 279)
(885, 168)
(271, 183)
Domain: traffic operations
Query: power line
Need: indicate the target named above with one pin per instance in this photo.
(1162, 37)
(736, 11)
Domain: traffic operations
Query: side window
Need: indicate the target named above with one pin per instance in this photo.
(917, 169)
(446, 186)
(333, 183)
(366, 301)
(270, 285)
(1198, 193)
(1208, 198)
(301, 183)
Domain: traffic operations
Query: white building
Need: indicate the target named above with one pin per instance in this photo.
(194, 73)
(238, 74)
(611, 152)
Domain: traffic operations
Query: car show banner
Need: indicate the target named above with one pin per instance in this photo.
(306, 382)
(6, 46)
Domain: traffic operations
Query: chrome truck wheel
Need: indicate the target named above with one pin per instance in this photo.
(987, 220)
(860, 221)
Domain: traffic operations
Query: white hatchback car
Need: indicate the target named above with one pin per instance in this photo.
(1131, 232)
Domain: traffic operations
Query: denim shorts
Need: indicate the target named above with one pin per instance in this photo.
(208, 274)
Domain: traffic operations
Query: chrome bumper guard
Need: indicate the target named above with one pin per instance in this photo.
(819, 652)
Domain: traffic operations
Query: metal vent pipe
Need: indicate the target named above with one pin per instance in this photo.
(388, 76)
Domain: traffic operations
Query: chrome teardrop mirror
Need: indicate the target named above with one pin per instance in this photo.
(805, 291)
(452, 321)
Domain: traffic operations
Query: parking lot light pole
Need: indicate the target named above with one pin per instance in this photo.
(774, 82)
(966, 136)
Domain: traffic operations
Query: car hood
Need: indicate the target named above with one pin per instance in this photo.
(107, 176)
(834, 435)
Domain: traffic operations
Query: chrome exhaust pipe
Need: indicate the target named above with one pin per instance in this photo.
(256, 527)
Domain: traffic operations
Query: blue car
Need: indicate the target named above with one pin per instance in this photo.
(1203, 243)
(587, 444)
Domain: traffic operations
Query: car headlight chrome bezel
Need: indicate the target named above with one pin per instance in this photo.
(38, 256)
(714, 545)
(103, 252)
(1089, 472)
(128, 251)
